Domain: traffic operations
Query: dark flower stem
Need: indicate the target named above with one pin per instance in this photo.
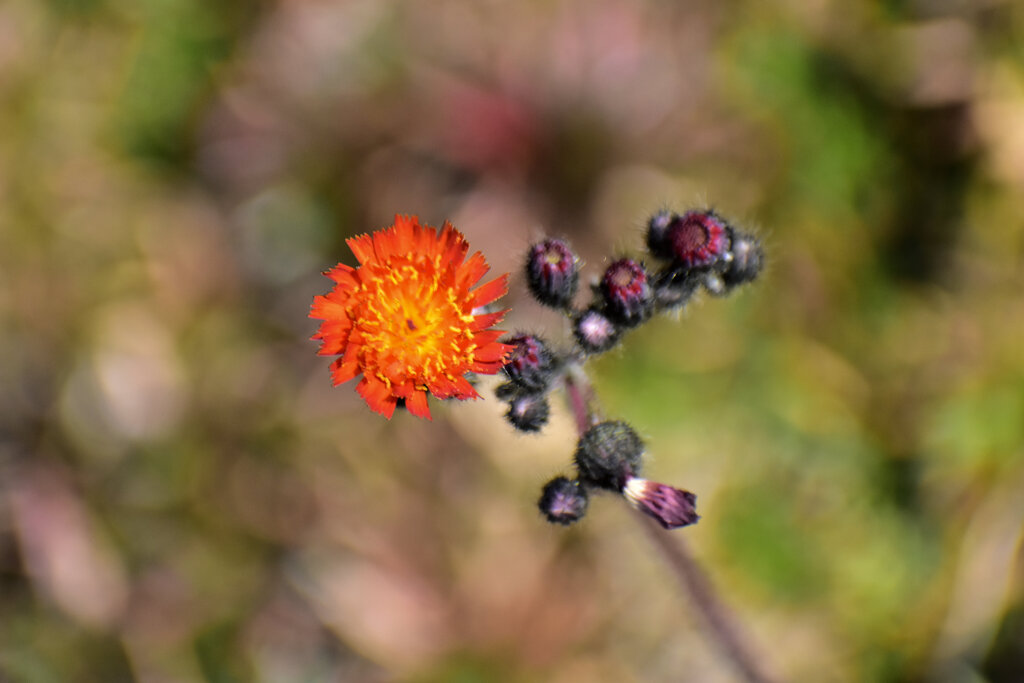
(692, 579)
(581, 397)
(715, 614)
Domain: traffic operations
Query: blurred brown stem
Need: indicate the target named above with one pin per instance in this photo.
(715, 614)
(691, 577)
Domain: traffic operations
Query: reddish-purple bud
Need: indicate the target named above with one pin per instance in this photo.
(563, 501)
(608, 455)
(671, 507)
(595, 332)
(627, 293)
(528, 412)
(531, 364)
(697, 239)
(551, 273)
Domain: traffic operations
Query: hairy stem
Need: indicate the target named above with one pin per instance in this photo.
(581, 398)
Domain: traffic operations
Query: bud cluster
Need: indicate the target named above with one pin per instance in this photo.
(694, 250)
(701, 249)
(608, 457)
(531, 369)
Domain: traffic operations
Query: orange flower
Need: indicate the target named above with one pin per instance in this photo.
(404, 318)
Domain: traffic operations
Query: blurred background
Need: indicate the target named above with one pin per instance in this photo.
(184, 496)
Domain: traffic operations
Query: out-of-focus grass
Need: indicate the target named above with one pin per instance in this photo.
(183, 496)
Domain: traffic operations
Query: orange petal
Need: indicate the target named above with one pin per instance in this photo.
(452, 245)
(472, 270)
(416, 238)
(351, 353)
(492, 352)
(486, 367)
(485, 320)
(485, 294)
(342, 274)
(362, 247)
(416, 402)
(404, 235)
(343, 370)
(390, 243)
(324, 308)
(377, 396)
(485, 338)
(406, 225)
(464, 390)
(334, 339)
(442, 388)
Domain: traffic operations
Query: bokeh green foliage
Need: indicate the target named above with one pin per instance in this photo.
(184, 497)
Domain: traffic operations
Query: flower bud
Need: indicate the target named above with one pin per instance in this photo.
(627, 293)
(608, 455)
(507, 390)
(531, 364)
(697, 239)
(595, 332)
(563, 501)
(528, 412)
(671, 507)
(747, 259)
(657, 232)
(551, 273)
(673, 288)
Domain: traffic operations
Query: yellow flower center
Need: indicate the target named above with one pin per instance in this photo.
(414, 324)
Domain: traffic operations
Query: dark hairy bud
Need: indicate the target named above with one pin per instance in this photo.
(528, 412)
(595, 332)
(531, 364)
(627, 293)
(563, 501)
(674, 288)
(657, 232)
(551, 273)
(747, 259)
(608, 455)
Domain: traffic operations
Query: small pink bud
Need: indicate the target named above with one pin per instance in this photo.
(672, 507)
(595, 332)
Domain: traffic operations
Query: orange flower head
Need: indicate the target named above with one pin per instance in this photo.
(405, 318)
